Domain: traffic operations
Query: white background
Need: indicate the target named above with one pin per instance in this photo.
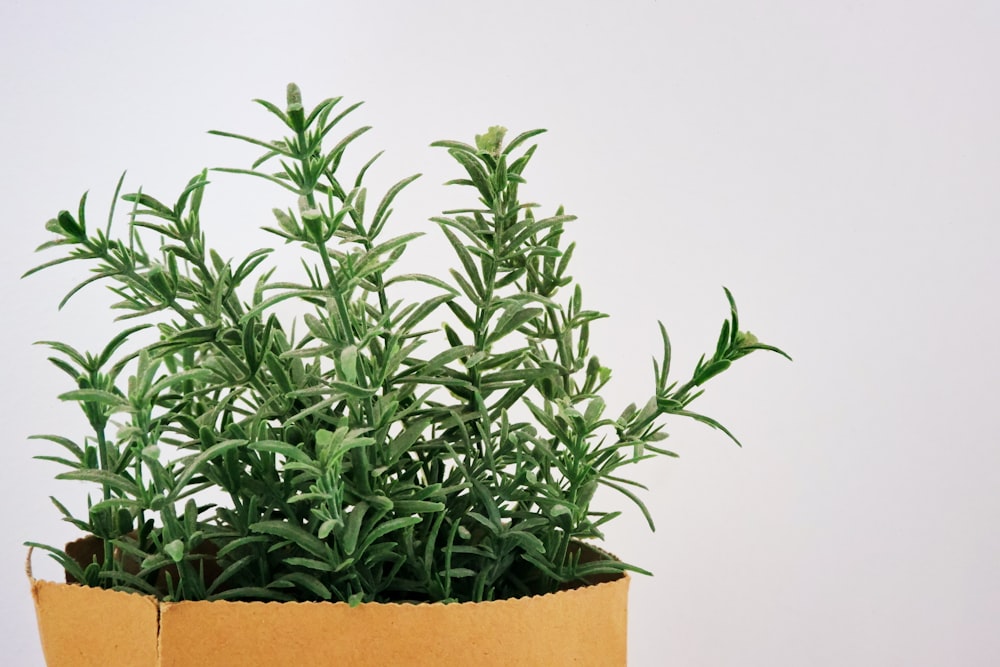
(835, 164)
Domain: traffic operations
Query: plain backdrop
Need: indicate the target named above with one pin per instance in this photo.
(834, 164)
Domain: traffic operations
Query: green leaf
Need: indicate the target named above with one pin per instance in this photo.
(528, 230)
(349, 541)
(125, 579)
(94, 396)
(364, 169)
(154, 205)
(328, 527)
(294, 534)
(71, 566)
(70, 226)
(594, 410)
(197, 375)
(393, 244)
(469, 291)
(402, 442)
(348, 389)
(544, 417)
(661, 380)
(458, 573)
(467, 262)
(476, 173)
(529, 375)
(769, 348)
(384, 529)
(446, 357)
(382, 212)
(520, 139)
(709, 422)
(332, 159)
(313, 409)
(195, 186)
(422, 278)
(104, 478)
(192, 465)
(117, 342)
(423, 310)
(310, 563)
(511, 320)
(76, 465)
(192, 336)
(307, 582)
(290, 452)
(491, 525)
(175, 550)
(455, 145)
(116, 504)
(711, 370)
(631, 496)
(241, 542)
(71, 446)
(231, 571)
(734, 315)
(530, 543)
(417, 506)
(270, 146)
(725, 340)
(543, 565)
(268, 177)
(463, 315)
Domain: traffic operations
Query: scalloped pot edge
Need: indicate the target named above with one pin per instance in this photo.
(82, 626)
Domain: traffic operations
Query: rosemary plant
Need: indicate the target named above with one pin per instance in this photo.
(236, 454)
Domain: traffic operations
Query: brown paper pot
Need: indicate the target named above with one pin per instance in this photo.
(83, 627)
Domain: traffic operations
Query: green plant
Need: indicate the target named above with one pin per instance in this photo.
(240, 455)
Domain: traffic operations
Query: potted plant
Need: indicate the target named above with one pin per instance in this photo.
(354, 481)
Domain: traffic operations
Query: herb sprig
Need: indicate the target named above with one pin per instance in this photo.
(240, 454)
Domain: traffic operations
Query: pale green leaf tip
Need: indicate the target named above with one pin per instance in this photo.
(175, 550)
(746, 339)
(492, 140)
(307, 210)
(294, 97)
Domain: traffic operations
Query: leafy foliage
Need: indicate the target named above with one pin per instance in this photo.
(351, 466)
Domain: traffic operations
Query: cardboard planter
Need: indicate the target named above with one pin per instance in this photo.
(83, 627)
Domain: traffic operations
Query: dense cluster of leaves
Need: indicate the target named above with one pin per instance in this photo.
(352, 467)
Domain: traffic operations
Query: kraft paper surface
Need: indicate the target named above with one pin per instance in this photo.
(82, 626)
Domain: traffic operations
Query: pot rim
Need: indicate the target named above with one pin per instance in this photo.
(606, 580)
